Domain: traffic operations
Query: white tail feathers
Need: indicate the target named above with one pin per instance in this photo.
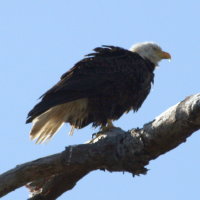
(49, 122)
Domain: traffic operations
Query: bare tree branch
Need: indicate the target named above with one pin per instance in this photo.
(55, 186)
(48, 177)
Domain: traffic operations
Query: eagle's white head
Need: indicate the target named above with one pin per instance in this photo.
(150, 51)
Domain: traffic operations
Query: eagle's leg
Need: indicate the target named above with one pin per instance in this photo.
(108, 126)
(104, 129)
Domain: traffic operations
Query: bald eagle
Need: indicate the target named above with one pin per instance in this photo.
(98, 89)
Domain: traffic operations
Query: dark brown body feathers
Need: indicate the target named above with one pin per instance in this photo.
(112, 79)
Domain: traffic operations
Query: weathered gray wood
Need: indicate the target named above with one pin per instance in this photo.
(114, 151)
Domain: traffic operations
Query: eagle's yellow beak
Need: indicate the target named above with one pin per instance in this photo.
(165, 55)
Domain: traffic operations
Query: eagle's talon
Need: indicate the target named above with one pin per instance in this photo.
(94, 135)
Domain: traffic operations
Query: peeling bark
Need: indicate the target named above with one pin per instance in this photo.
(47, 178)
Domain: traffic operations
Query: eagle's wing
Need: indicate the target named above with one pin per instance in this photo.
(97, 73)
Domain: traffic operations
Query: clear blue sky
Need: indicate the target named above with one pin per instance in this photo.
(40, 40)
